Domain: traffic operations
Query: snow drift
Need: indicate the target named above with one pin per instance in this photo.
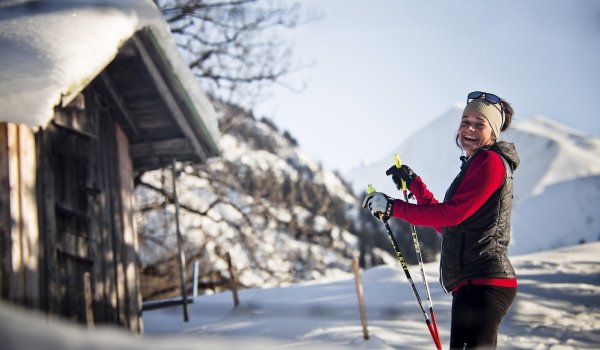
(557, 307)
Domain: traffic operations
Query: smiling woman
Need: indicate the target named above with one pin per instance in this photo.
(474, 131)
(474, 220)
(484, 117)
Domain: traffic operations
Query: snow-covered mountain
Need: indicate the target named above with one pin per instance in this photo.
(557, 185)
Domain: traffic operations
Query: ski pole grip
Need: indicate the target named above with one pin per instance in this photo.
(398, 163)
(371, 189)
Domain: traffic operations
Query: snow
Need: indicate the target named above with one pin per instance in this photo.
(557, 307)
(53, 49)
(556, 186)
(265, 236)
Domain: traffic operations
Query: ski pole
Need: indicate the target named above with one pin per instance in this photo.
(415, 238)
(433, 333)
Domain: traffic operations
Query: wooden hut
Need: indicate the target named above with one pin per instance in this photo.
(91, 94)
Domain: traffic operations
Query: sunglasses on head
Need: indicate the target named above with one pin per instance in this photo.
(491, 98)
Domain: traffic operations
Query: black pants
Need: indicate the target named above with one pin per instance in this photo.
(476, 314)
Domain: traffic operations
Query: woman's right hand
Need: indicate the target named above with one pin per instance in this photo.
(403, 173)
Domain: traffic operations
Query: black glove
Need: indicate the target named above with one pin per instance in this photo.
(404, 172)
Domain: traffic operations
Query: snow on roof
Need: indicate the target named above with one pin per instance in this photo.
(50, 50)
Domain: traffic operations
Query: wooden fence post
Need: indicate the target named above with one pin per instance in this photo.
(195, 279)
(361, 301)
(233, 281)
(182, 264)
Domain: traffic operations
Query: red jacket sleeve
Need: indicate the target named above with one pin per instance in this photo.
(423, 195)
(484, 175)
(421, 192)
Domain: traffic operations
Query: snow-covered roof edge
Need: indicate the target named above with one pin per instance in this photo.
(51, 50)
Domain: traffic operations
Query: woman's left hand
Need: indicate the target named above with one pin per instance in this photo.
(379, 203)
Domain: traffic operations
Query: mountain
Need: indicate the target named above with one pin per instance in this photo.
(556, 188)
(431, 152)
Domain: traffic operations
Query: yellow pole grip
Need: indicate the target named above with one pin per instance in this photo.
(398, 165)
(370, 189)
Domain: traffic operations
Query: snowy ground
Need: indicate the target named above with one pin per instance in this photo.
(557, 307)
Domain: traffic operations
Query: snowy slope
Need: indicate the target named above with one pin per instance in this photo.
(557, 307)
(281, 216)
(558, 304)
(557, 185)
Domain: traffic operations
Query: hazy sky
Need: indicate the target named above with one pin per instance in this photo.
(386, 68)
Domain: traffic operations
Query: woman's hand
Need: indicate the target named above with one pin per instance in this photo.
(404, 172)
(379, 204)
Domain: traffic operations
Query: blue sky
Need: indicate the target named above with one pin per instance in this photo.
(386, 68)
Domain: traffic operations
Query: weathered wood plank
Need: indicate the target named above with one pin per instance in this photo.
(28, 216)
(108, 89)
(130, 247)
(110, 301)
(75, 118)
(23, 215)
(17, 283)
(166, 94)
(116, 223)
(52, 299)
(5, 219)
(170, 147)
(100, 283)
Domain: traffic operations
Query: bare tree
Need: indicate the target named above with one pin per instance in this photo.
(235, 47)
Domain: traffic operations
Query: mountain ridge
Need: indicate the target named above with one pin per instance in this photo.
(554, 159)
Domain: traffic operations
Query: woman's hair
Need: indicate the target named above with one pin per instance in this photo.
(508, 114)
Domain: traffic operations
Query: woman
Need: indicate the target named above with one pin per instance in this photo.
(474, 221)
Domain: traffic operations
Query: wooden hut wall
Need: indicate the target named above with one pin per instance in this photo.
(77, 173)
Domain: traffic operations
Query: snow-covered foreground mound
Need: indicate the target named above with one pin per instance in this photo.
(557, 307)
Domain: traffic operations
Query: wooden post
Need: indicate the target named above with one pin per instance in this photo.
(180, 247)
(233, 282)
(89, 300)
(195, 279)
(20, 233)
(361, 301)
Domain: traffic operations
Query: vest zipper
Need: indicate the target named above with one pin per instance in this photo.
(441, 260)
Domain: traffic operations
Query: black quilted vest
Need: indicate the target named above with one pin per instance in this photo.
(477, 247)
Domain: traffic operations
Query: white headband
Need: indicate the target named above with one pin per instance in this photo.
(492, 112)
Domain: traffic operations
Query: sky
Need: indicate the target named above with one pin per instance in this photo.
(383, 69)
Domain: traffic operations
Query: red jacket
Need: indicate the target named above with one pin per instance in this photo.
(482, 178)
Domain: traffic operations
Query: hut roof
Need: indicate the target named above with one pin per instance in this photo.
(52, 50)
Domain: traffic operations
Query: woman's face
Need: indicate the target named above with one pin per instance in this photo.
(474, 131)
